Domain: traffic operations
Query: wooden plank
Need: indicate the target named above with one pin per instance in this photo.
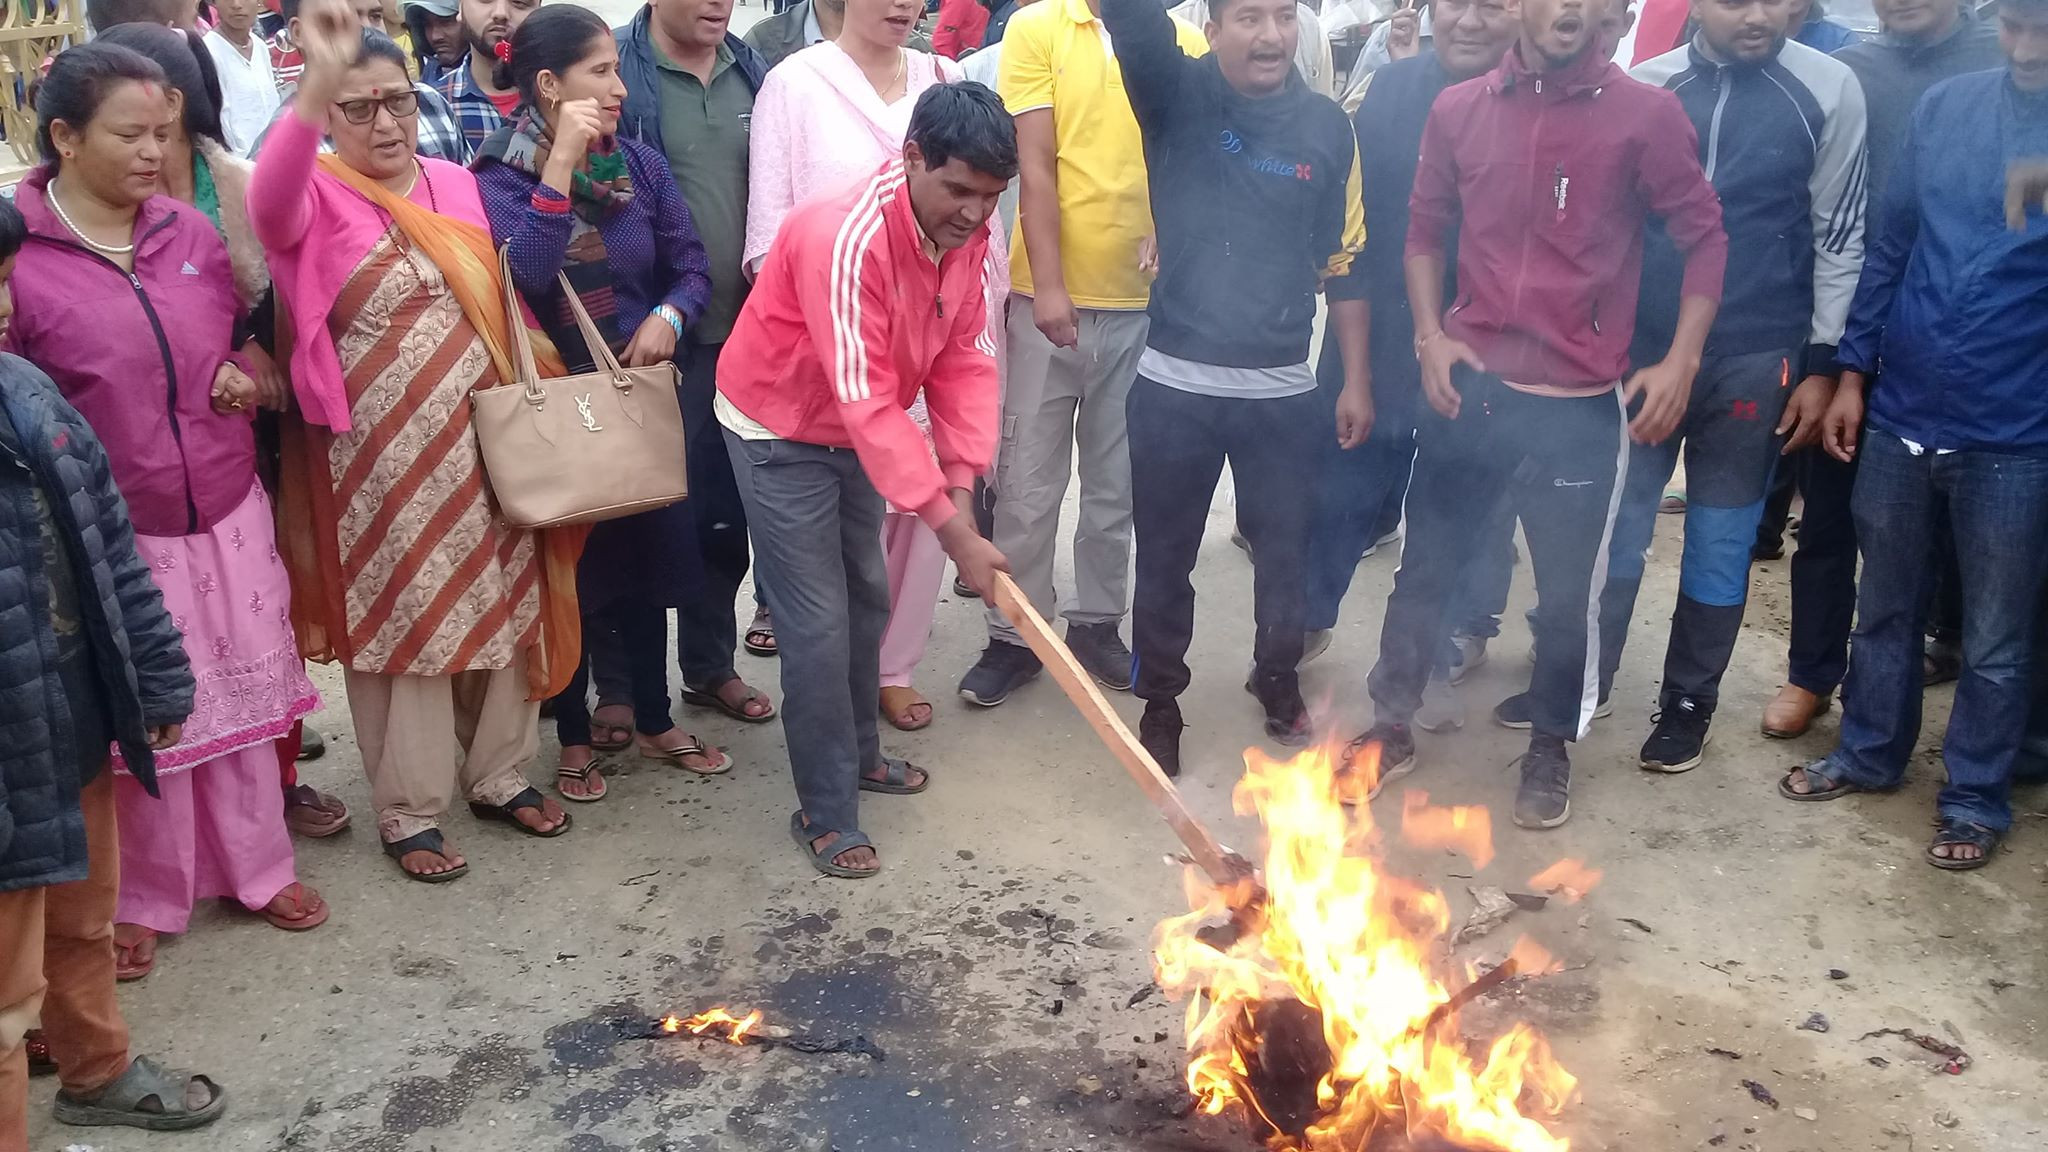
(1223, 866)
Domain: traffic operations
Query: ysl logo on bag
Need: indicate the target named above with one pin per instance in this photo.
(590, 423)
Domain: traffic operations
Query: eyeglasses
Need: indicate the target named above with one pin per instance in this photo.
(400, 104)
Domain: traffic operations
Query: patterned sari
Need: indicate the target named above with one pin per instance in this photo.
(400, 563)
(431, 583)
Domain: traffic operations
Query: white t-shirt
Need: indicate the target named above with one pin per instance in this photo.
(248, 96)
(1228, 383)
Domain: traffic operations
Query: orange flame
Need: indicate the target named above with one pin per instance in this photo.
(1360, 948)
(1568, 880)
(1530, 959)
(1464, 829)
(737, 1027)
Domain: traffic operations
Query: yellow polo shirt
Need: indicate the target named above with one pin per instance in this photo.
(1057, 55)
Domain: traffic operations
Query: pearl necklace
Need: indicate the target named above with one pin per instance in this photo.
(110, 249)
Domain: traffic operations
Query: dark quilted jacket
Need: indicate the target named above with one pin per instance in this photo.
(136, 649)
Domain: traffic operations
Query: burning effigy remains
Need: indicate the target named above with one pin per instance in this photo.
(1320, 1002)
(750, 1029)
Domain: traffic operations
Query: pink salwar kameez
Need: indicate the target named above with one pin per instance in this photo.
(218, 829)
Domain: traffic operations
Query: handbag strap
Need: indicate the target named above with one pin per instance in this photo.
(515, 319)
(600, 348)
(522, 340)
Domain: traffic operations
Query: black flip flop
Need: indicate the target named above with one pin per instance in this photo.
(803, 834)
(427, 841)
(1838, 788)
(615, 745)
(708, 697)
(505, 813)
(895, 779)
(1967, 834)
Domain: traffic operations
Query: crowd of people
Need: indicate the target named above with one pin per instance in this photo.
(250, 291)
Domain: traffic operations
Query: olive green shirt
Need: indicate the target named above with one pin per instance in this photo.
(704, 133)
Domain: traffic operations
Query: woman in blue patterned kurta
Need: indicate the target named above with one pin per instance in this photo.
(566, 195)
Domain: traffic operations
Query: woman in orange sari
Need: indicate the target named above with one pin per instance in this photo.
(450, 625)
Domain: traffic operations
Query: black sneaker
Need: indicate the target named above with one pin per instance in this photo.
(1513, 712)
(1002, 669)
(1396, 759)
(1159, 731)
(1545, 798)
(1103, 653)
(1679, 741)
(1279, 693)
(964, 590)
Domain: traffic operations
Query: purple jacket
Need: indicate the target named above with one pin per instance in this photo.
(1549, 177)
(137, 355)
(652, 247)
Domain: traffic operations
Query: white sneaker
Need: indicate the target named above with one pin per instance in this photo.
(1443, 710)
(1471, 656)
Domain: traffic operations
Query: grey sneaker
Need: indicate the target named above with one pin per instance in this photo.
(1471, 656)
(1545, 797)
(1314, 643)
(1396, 751)
(1442, 709)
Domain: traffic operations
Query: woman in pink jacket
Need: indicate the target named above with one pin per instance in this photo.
(827, 117)
(128, 300)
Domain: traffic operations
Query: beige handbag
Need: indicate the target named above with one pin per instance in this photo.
(583, 448)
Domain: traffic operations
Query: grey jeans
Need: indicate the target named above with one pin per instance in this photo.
(1054, 400)
(817, 523)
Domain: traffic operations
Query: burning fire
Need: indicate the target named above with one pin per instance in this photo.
(736, 1028)
(1327, 1020)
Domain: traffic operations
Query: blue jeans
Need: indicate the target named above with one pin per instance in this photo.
(1731, 445)
(635, 637)
(1998, 505)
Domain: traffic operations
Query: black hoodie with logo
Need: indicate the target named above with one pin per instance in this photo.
(1255, 200)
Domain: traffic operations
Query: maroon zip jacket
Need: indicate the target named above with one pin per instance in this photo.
(1548, 178)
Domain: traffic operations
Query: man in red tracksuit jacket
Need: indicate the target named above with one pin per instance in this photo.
(1549, 166)
(867, 297)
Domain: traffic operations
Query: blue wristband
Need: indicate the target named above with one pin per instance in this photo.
(675, 320)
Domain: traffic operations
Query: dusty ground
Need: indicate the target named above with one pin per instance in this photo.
(994, 960)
